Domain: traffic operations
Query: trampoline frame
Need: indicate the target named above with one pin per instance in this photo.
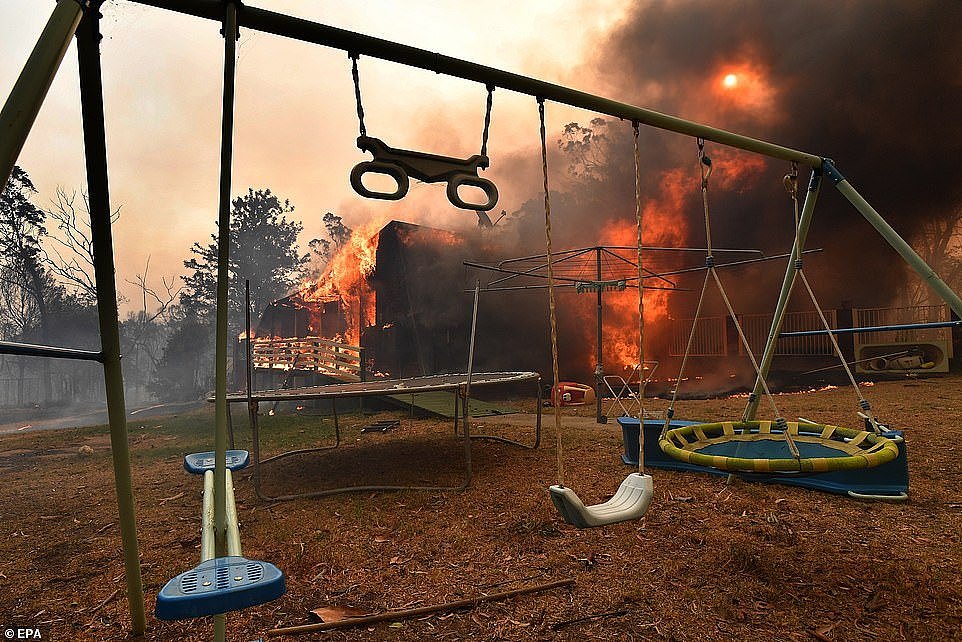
(862, 449)
(413, 385)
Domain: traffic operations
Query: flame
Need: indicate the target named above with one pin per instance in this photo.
(345, 280)
(437, 237)
(663, 226)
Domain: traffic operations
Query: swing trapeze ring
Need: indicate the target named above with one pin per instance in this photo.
(760, 447)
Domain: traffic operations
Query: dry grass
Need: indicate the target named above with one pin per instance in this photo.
(711, 560)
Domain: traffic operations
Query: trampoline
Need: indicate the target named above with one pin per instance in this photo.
(884, 482)
(380, 387)
(761, 447)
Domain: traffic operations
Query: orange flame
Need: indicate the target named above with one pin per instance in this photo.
(345, 280)
(663, 226)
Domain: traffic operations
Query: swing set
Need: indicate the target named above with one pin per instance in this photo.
(82, 18)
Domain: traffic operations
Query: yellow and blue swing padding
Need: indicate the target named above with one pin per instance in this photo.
(761, 447)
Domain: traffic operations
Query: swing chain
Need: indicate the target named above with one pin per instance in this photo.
(791, 182)
(487, 120)
(641, 300)
(357, 91)
(552, 315)
(705, 161)
(791, 187)
(706, 168)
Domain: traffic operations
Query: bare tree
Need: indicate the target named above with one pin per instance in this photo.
(144, 332)
(69, 254)
(939, 242)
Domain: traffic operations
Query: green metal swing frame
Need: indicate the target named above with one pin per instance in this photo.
(82, 18)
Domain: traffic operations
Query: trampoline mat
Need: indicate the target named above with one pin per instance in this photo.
(769, 449)
(389, 386)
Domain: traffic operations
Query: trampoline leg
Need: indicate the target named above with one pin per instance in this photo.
(253, 410)
(230, 429)
(337, 425)
(457, 403)
(537, 429)
(467, 436)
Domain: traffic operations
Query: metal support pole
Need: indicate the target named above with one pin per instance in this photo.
(223, 273)
(873, 328)
(95, 153)
(467, 387)
(599, 365)
(804, 222)
(26, 97)
(897, 242)
(229, 31)
(53, 352)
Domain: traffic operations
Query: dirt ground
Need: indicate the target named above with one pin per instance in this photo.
(711, 559)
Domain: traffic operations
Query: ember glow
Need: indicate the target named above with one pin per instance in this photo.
(746, 87)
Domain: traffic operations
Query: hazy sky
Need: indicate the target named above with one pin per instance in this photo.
(295, 121)
(826, 77)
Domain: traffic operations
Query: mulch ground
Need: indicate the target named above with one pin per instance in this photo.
(711, 559)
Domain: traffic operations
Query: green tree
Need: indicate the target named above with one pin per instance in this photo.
(263, 249)
(184, 371)
(338, 235)
(587, 149)
(24, 277)
(22, 225)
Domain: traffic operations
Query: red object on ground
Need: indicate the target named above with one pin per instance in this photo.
(570, 393)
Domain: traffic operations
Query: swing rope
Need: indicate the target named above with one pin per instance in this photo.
(551, 303)
(357, 91)
(641, 308)
(791, 186)
(706, 169)
(634, 495)
(487, 120)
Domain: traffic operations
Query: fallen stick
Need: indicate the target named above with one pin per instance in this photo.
(407, 613)
(588, 618)
(104, 603)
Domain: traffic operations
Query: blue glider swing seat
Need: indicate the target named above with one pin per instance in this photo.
(218, 584)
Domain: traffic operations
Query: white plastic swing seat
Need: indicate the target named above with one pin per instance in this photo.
(630, 502)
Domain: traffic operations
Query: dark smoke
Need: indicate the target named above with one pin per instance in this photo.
(877, 86)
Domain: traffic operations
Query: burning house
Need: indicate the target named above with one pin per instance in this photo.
(397, 294)
(396, 302)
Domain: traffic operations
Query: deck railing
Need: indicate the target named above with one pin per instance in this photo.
(309, 354)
